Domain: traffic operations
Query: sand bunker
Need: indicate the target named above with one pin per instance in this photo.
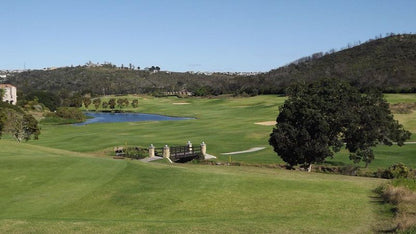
(181, 103)
(266, 123)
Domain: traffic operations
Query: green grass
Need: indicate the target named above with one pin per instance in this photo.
(225, 124)
(50, 190)
(400, 98)
(65, 181)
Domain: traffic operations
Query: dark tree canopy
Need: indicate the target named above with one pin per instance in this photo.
(49, 99)
(318, 118)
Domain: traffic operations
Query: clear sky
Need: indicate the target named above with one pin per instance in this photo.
(185, 35)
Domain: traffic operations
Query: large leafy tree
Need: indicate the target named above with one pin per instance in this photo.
(319, 118)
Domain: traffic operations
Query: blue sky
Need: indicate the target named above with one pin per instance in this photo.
(185, 35)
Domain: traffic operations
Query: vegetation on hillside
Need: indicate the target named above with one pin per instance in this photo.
(387, 63)
(112, 80)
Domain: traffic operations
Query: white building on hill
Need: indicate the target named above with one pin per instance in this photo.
(9, 94)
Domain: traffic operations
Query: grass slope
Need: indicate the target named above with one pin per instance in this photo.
(50, 191)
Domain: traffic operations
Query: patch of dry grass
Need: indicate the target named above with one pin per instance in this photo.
(405, 205)
(403, 108)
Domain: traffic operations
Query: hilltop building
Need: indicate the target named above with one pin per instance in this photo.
(9, 94)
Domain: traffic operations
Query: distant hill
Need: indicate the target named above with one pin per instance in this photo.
(388, 63)
(101, 80)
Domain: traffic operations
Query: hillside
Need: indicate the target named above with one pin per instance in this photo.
(112, 80)
(388, 63)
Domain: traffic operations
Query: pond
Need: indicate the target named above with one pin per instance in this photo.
(106, 117)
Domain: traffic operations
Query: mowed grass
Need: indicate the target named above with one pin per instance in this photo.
(46, 190)
(225, 124)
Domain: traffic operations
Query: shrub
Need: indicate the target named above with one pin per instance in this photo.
(409, 183)
(135, 152)
(65, 115)
(395, 171)
(351, 170)
(70, 113)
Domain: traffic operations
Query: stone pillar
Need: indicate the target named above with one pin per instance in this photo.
(151, 151)
(203, 149)
(166, 151)
(189, 144)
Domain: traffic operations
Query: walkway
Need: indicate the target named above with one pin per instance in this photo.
(254, 149)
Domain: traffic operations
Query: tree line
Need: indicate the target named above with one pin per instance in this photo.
(112, 103)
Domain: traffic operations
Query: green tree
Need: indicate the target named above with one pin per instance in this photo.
(112, 103)
(96, 102)
(372, 125)
(126, 102)
(120, 103)
(105, 105)
(2, 92)
(21, 125)
(2, 120)
(135, 103)
(86, 101)
(30, 127)
(51, 100)
(318, 118)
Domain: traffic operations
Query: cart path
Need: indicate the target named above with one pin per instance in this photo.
(254, 149)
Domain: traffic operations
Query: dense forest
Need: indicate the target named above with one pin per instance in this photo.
(387, 63)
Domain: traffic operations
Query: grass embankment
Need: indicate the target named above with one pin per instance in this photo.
(225, 124)
(47, 190)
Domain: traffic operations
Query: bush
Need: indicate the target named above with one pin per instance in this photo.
(70, 113)
(135, 152)
(351, 170)
(65, 115)
(409, 183)
(395, 171)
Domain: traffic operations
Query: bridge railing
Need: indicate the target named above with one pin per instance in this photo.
(179, 153)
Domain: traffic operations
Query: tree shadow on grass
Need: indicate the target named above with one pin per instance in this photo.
(334, 163)
(385, 224)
